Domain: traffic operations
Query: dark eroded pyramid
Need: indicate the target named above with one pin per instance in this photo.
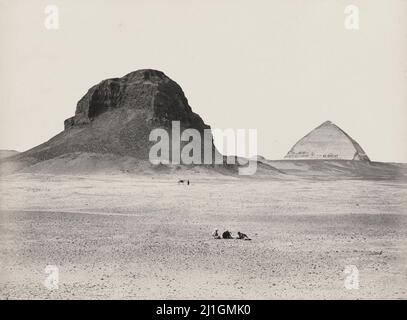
(117, 115)
(327, 141)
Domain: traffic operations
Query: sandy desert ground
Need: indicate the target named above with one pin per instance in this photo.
(131, 237)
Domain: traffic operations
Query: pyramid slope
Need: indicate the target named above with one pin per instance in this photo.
(327, 141)
(7, 153)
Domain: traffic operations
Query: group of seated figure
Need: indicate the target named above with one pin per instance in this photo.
(228, 235)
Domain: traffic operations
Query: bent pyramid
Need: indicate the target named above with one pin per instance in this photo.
(326, 142)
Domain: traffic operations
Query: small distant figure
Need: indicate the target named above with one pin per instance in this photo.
(215, 234)
(188, 182)
(242, 236)
(181, 181)
(227, 235)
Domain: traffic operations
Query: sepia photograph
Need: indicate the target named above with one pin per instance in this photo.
(203, 150)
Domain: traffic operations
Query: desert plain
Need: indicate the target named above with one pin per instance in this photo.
(124, 236)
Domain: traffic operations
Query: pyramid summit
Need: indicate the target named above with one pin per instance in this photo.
(327, 142)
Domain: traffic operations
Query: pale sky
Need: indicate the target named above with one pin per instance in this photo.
(281, 67)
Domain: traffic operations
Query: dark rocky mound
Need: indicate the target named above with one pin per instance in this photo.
(117, 115)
